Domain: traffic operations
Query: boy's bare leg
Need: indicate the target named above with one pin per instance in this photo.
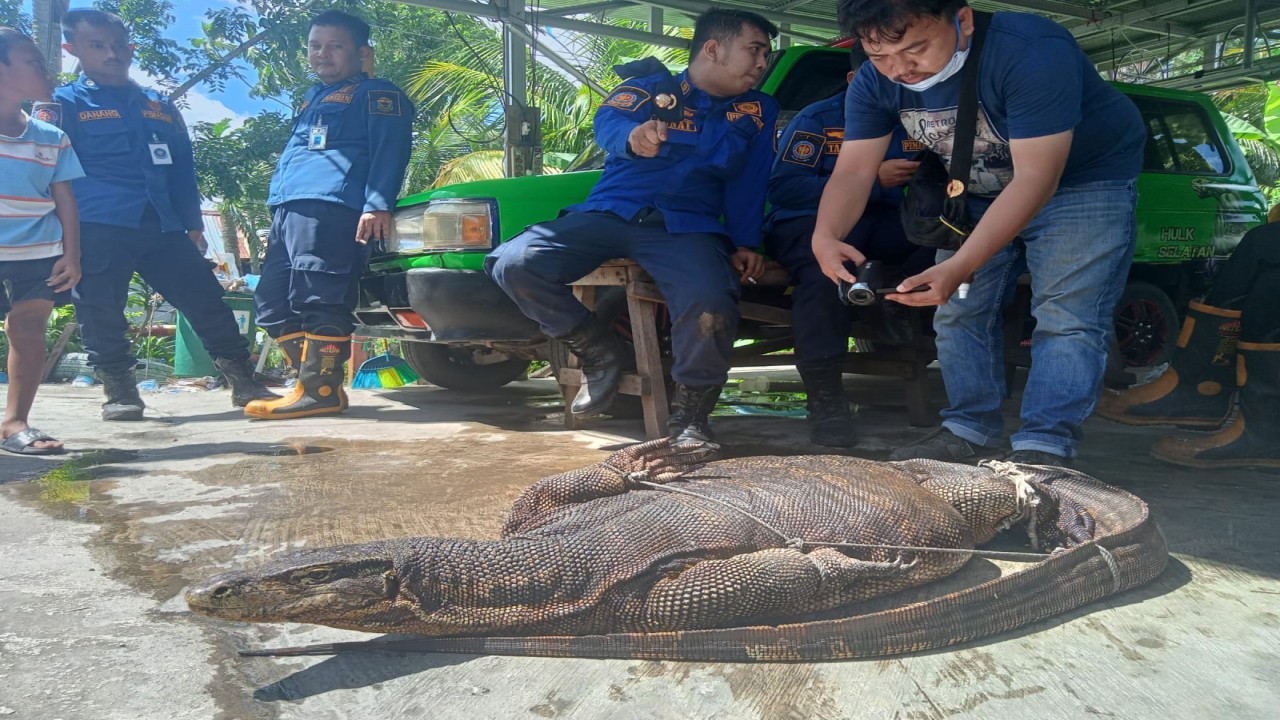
(25, 326)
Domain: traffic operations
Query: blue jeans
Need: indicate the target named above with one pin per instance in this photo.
(1078, 250)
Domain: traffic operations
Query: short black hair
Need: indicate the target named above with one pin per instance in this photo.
(722, 25)
(10, 37)
(888, 19)
(96, 18)
(358, 28)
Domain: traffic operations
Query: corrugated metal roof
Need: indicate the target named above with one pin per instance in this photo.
(1112, 33)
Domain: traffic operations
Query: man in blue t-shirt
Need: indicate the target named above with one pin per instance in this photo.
(1055, 160)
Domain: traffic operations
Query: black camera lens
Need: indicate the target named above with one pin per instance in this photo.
(862, 291)
(861, 294)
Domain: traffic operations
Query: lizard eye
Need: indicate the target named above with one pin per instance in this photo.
(317, 575)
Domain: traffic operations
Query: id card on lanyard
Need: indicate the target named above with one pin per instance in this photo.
(318, 137)
(159, 151)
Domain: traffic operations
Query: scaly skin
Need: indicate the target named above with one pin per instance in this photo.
(594, 552)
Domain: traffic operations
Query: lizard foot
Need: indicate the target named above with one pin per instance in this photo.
(659, 461)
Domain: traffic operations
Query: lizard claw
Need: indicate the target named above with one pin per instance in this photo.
(660, 461)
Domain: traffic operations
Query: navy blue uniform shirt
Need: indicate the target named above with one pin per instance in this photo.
(807, 153)
(715, 161)
(112, 129)
(368, 134)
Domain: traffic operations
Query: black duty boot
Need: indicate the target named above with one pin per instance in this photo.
(1253, 439)
(245, 387)
(123, 401)
(291, 348)
(318, 390)
(690, 421)
(830, 422)
(602, 356)
(1196, 390)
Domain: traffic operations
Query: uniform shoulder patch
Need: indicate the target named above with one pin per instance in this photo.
(49, 112)
(804, 149)
(627, 97)
(385, 102)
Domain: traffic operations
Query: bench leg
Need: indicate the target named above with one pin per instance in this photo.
(644, 333)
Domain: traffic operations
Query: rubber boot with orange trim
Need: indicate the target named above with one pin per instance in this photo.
(291, 348)
(1196, 390)
(318, 390)
(1253, 438)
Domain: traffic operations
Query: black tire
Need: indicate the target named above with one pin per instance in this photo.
(1146, 325)
(454, 366)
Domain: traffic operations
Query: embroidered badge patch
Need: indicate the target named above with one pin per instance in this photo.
(384, 102)
(804, 149)
(835, 139)
(626, 97)
(910, 146)
(748, 108)
(50, 112)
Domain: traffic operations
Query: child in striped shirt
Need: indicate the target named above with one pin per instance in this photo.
(39, 233)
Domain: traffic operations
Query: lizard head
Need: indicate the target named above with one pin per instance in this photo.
(355, 587)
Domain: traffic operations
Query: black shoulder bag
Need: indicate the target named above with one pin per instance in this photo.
(935, 210)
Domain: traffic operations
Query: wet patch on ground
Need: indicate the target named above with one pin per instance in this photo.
(163, 531)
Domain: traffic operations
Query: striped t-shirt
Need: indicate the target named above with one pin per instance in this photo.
(29, 229)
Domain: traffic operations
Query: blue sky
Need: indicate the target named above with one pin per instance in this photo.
(202, 103)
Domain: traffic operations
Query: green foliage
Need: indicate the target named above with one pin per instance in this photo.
(11, 14)
(463, 101)
(1253, 117)
(234, 165)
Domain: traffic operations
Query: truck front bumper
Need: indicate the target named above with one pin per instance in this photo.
(442, 305)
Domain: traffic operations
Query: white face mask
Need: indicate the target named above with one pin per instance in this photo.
(952, 67)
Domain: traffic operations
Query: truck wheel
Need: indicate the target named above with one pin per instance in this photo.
(1146, 325)
(466, 368)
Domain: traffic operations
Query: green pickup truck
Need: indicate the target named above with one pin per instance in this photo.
(1197, 197)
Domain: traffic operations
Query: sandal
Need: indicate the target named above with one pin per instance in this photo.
(23, 443)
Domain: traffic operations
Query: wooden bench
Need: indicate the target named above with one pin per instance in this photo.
(648, 381)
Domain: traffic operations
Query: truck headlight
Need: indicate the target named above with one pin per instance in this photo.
(446, 225)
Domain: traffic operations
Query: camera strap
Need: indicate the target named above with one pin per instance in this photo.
(967, 111)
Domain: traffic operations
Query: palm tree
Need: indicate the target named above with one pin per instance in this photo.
(464, 97)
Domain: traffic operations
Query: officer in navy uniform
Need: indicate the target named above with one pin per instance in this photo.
(682, 152)
(333, 191)
(139, 211)
(808, 150)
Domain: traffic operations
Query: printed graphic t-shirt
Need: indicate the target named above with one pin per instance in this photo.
(1033, 81)
(29, 164)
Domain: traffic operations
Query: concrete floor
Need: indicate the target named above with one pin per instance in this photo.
(92, 624)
